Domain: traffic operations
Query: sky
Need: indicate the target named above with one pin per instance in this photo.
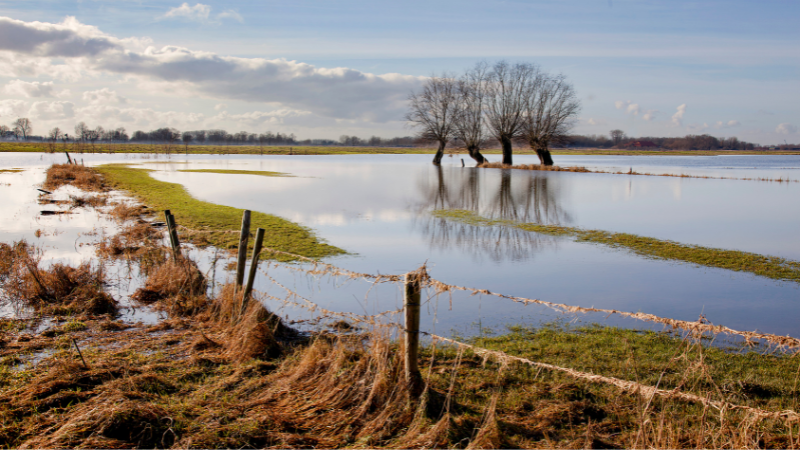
(321, 69)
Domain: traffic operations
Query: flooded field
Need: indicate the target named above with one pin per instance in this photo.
(378, 209)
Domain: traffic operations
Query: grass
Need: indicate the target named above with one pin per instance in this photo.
(762, 265)
(11, 170)
(211, 224)
(176, 385)
(262, 173)
(336, 150)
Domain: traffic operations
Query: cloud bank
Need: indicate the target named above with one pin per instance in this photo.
(338, 93)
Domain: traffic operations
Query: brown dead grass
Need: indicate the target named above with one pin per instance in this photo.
(79, 176)
(498, 165)
(124, 212)
(58, 290)
(94, 201)
(177, 287)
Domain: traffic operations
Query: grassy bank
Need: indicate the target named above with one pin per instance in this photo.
(262, 173)
(208, 223)
(762, 265)
(174, 385)
(334, 150)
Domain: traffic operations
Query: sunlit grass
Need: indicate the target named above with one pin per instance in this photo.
(262, 173)
(211, 224)
(763, 265)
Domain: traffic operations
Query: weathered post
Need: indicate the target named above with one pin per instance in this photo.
(251, 277)
(168, 220)
(174, 235)
(242, 259)
(411, 302)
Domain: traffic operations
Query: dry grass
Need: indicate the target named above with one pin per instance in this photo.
(498, 165)
(58, 290)
(93, 201)
(79, 176)
(177, 287)
(124, 212)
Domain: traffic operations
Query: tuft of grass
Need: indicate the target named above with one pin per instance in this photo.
(211, 224)
(11, 170)
(79, 176)
(763, 265)
(262, 173)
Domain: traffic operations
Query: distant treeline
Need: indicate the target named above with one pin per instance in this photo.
(22, 130)
(688, 142)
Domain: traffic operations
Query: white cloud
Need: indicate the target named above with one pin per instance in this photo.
(33, 89)
(729, 124)
(231, 14)
(52, 110)
(636, 110)
(197, 13)
(786, 128)
(104, 96)
(340, 93)
(220, 107)
(650, 114)
(13, 108)
(598, 122)
(677, 118)
(200, 13)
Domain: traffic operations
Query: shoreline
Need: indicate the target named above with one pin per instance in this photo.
(43, 147)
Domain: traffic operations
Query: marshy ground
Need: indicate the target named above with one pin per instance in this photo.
(213, 376)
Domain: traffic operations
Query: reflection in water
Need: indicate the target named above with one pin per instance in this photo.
(524, 197)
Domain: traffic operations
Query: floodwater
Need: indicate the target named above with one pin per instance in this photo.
(377, 208)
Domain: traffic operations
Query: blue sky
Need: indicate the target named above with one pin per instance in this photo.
(665, 68)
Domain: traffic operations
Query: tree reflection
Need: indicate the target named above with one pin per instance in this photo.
(506, 195)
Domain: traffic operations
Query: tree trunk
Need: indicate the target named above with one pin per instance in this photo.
(437, 159)
(544, 156)
(506, 142)
(475, 153)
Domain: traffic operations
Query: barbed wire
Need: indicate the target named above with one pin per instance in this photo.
(627, 386)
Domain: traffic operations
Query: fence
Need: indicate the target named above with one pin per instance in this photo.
(414, 282)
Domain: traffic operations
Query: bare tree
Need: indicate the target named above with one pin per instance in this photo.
(433, 111)
(504, 103)
(617, 136)
(81, 133)
(187, 139)
(550, 111)
(5, 131)
(469, 120)
(22, 128)
(52, 138)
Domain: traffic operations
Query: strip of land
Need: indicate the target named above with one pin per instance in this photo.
(762, 265)
(338, 150)
(210, 224)
(262, 173)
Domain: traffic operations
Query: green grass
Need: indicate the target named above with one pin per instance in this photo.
(213, 224)
(752, 377)
(262, 173)
(337, 150)
(762, 265)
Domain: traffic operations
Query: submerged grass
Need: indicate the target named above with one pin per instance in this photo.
(262, 173)
(211, 224)
(762, 265)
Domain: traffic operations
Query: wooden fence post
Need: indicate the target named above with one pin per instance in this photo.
(172, 232)
(242, 259)
(411, 303)
(251, 278)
